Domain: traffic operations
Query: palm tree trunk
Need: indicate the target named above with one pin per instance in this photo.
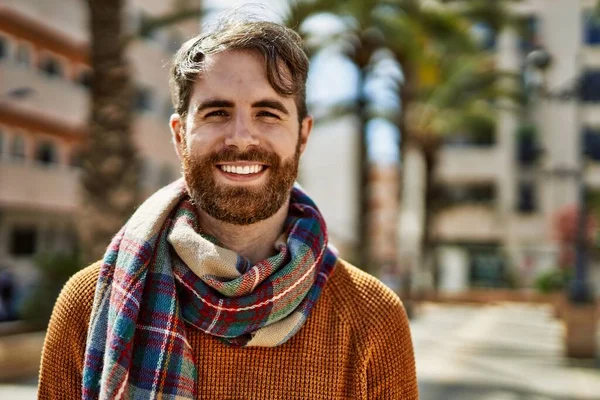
(111, 166)
(405, 267)
(364, 248)
(430, 154)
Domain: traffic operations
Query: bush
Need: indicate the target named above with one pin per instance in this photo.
(551, 281)
(55, 269)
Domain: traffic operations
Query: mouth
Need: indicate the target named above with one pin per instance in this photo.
(242, 171)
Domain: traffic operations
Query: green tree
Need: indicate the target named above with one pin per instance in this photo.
(360, 39)
(451, 85)
(424, 39)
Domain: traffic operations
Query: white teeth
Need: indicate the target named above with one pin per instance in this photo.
(245, 170)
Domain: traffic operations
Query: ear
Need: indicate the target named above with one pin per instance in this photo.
(176, 125)
(305, 130)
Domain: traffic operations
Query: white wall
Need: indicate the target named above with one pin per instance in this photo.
(329, 172)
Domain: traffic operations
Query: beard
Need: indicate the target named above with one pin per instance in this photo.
(240, 205)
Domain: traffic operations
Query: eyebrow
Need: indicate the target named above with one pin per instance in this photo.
(220, 103)
(274, 104)
(213, 103)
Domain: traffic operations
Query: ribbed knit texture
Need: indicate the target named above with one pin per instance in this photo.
(355, 345)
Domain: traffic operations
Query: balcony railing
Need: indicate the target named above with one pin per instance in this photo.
(467, 223)
(55, 96)
(469, 164)
(33, 186)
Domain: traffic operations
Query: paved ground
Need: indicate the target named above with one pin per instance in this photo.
(502, 352)
(24, 390)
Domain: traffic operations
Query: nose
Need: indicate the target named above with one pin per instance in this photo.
(242, 135)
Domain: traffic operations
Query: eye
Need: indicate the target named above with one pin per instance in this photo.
(216, 113)
(267, 114)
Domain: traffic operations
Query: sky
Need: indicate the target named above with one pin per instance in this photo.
(332, 77)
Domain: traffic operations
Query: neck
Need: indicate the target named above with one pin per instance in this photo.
(256, 242)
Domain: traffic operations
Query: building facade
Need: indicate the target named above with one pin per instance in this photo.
(44, 105)
(505, 191)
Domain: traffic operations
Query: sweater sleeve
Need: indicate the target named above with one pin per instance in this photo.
(64, 346)
(391, 367)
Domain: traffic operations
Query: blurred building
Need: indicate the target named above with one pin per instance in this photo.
(502, 190)
(44, 104)
(328, 171)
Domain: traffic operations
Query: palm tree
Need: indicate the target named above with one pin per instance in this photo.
(462, 101)
(361, 39)
(450, 87)
(406, 28)
(111, 166)
(430, 43)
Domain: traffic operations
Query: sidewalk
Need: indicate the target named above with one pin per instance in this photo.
(25, 390)
(498, 352)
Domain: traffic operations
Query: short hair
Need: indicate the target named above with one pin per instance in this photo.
(286, 62)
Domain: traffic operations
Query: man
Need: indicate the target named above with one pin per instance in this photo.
(222, 285)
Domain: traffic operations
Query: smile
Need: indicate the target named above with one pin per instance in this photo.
(242, 170)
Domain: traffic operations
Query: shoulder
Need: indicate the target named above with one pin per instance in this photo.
(364, 301)
(83, 282)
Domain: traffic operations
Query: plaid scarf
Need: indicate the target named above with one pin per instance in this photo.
(159, 273)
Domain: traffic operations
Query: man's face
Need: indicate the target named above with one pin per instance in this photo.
(240, 142)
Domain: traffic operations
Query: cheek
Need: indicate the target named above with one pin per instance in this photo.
(202, 139)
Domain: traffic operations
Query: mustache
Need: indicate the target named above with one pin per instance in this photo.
(230, 154)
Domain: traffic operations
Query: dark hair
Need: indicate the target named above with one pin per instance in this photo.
(286, 62)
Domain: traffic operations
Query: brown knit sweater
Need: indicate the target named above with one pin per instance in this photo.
(356, 344)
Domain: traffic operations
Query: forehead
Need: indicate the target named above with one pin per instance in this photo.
(237, 76)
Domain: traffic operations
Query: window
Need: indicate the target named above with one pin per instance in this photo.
(23, 55)
(487, 267)
(452, 195)
(3, 47)
(527, 200)
(46, 153)
(17, 150)
(591, 28)
(23, 241)
(484, 137)
(591, 143)
(590, 86)
(143, 99)
(51, 66)
(528, 149)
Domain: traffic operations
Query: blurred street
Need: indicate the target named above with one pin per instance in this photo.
(494, 352)
(497, 352)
